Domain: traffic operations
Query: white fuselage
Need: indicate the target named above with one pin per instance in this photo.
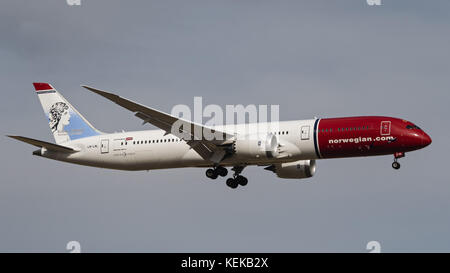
(154, 149)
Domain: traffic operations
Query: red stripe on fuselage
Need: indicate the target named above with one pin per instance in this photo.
(364, 136)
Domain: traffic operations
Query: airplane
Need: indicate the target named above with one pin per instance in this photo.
(290, 151)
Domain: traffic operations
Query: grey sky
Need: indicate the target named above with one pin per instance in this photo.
(313, 58)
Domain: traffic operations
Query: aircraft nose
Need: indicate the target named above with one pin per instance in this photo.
(426, 139)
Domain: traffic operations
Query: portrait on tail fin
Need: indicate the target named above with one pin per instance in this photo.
(59, 117)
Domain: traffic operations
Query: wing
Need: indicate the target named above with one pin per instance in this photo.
(197, 136)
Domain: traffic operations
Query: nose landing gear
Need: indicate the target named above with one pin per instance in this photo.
(395, 164)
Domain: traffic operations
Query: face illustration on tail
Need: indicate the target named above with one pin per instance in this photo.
(59, 117)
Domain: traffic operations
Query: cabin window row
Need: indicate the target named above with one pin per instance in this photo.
(177, 140)
(281, 133)
(151, 141)
(344, 129)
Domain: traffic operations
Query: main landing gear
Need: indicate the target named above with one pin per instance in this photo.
(395, 164)
(237, 178)
(232, 182)
(214, 173)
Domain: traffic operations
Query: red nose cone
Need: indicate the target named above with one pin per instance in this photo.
(426, 140)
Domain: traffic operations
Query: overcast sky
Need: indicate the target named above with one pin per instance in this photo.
(313, 58)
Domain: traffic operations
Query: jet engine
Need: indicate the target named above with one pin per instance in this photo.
(257, 146)
(296, 169)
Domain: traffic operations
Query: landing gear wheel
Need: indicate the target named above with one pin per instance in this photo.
(396, 165)
(232, 183)
(211, 173)
(241, 180)
(397, 155)
(222, 171)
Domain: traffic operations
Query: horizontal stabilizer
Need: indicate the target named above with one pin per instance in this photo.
(49, 146)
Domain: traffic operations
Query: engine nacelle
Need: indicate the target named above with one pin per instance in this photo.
(296, 169)
(258, 146)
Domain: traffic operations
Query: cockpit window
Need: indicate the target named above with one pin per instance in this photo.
(412, 127)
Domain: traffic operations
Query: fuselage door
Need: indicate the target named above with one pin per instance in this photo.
(104, 146)
(305, 132)
(385, 128)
